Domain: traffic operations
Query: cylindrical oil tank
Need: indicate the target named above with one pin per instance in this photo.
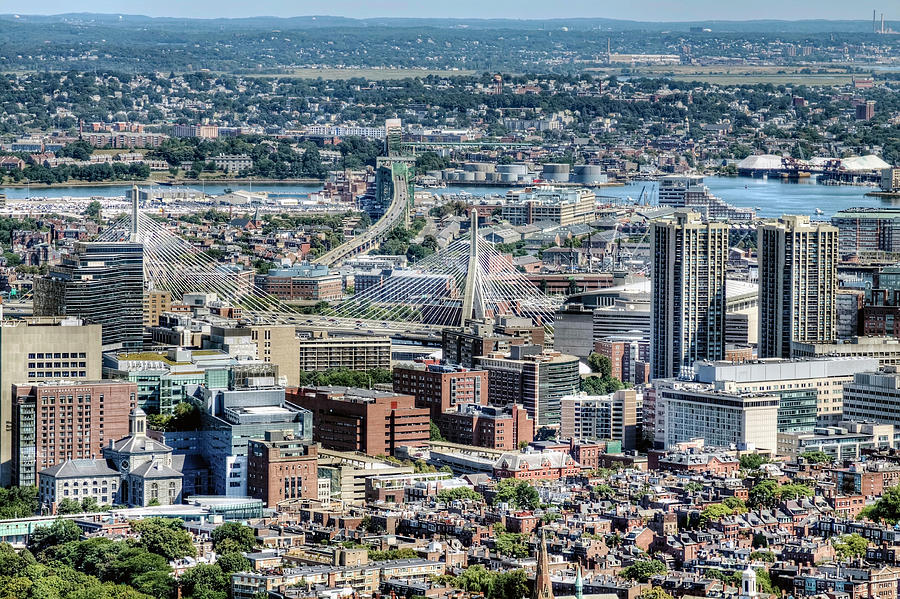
(556, 172)
(589, 173)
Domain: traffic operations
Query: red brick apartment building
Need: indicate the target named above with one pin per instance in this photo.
(281, 467)
(364, 420)
(441, 387)
(55, 421)
(487, 426)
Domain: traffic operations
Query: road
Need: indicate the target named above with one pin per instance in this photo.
(376, 232)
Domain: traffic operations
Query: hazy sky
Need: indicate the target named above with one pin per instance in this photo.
(650, 10)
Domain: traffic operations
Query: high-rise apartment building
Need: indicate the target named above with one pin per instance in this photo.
(42, 349)
(55, 421)
(688, 293)
(797, 284)
(101, 283)
(531, 377)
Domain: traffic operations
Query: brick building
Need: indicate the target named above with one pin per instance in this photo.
(544, 465)
(629, 355)
(303, 282)
(487, 426)
(371, 422)
(440, 387)
(282, 466)
(55, 421)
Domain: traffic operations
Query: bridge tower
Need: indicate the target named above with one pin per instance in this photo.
(473, 299)
(133, 237)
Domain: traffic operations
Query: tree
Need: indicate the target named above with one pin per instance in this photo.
(763, 556)
(693, 487)
(93, 210)
(887, 507)
(233, 562)
(600, 364)
(512, 544)
(850, 546)
(204, 580)
(714, 511)
(435, 434)
(164, 536)
(517, 493)
(816, 457)
(752, 461)
(132, 563)
(61, 531)
(17, 502)
(243, 537)
(736, 504)
(763, 493)
(641, 571)
(604, 491)
(458, 493)
(68, 506)
(793, 491)
(654, 593)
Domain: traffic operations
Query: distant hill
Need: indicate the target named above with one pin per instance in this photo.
(318, 22)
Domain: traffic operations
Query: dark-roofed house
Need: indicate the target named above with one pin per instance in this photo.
(135, 470)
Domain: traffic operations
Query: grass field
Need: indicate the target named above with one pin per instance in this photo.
(735, 75)
(371, 74)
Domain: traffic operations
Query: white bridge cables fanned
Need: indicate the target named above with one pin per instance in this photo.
(428, 295)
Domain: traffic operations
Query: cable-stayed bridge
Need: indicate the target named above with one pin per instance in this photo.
(468, 279)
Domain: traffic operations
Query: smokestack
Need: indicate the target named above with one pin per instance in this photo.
(882, 23)
(874, 26)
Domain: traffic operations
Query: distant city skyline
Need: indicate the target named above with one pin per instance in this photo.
(646, 10)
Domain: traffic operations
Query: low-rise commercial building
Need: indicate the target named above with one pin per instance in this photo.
(847, 441)
(322, 352)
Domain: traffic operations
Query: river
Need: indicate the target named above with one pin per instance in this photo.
(773, 197)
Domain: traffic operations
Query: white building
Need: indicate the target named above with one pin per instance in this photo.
(616, 416)
(689, 410)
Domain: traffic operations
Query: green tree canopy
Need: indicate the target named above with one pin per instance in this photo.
(850, 546)
(241, 536)
(164, 536)
(518, 493)
(642, 570)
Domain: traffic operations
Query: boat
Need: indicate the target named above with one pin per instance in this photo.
(819, 211)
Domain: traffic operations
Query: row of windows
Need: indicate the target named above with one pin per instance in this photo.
(58, 355)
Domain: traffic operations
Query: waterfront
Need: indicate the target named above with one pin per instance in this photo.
(774, 197)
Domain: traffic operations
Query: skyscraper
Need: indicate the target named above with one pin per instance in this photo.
(101, 283)
(797, 284)
(688, 293)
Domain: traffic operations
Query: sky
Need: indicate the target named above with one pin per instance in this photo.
(640, 10)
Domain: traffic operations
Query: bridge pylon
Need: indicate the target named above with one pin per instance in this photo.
(473, 298)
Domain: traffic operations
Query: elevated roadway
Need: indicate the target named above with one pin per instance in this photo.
(375, 234)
